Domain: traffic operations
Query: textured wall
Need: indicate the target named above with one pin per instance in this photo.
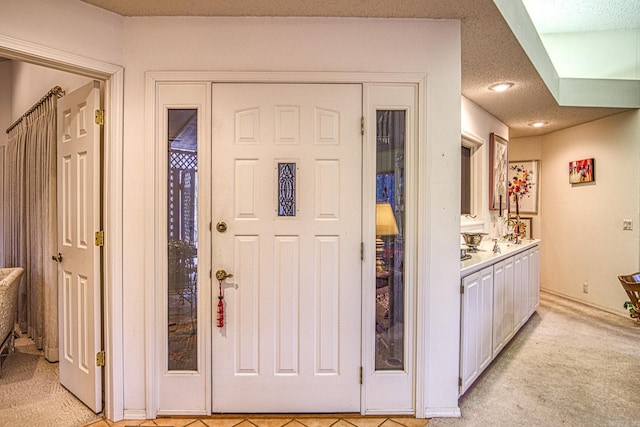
(581, 225)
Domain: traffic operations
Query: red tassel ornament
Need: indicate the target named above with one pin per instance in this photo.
(220, 306)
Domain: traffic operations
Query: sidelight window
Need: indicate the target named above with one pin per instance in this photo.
(390, 239)
(182, 235)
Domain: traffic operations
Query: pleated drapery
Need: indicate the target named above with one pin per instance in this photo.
(30, 222)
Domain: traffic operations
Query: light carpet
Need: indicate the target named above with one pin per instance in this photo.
(31, 394)
(570, 365)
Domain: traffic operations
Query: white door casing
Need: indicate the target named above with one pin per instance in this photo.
(291, 342)
(79, 280)
(390, 391)
(183, 392)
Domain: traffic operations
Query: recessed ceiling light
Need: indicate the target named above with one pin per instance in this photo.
(501, 87)
(538, 124)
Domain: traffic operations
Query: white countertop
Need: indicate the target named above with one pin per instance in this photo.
(485, 255)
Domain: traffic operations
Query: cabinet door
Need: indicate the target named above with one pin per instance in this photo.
(521, 289)
(534, 279)
(507, 313)
(476, 325)
(502, 304)
(485, 352)
(498, 307)
(469, 367)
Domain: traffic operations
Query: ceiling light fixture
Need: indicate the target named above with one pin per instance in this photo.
(538, 124)
(501, 87)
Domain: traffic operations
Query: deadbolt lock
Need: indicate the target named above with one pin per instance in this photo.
(221, 227)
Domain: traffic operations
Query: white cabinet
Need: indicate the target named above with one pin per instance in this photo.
(534, 279)
(476, 334)
(495, 302)
(503, 280)
(521, 289)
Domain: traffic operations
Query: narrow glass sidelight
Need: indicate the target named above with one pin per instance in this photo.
(182, 235)
(286, 189)
(390, 246)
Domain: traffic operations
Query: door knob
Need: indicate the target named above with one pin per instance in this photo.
(57, 258)
(221, 227)
(221, 275)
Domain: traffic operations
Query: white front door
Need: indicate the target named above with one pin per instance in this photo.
(78, 162)
(286, 182)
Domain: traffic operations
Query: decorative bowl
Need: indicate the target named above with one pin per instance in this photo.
(473, 240)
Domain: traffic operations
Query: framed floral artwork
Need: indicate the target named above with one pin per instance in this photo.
(528, 227)
(498, 161)
(523, 186)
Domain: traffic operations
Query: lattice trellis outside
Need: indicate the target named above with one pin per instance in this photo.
(181, 195)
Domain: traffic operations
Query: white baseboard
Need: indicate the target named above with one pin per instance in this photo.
(588, 304)
(452, 412)
(135, 414)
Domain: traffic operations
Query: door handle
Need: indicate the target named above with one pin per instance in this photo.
(222, 275)
(57, 258)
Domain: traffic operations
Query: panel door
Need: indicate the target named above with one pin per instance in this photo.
(286, 181)
(78, 158)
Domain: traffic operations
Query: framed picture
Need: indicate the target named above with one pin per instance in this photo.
(498, 162)
(528, 230)
(523, 186)
(581, 171)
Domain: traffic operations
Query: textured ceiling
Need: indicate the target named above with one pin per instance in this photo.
(567, 16)
(490, 52)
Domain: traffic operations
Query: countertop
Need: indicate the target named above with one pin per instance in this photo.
(485, 255)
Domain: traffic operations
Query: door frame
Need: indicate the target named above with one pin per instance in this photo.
(153, 78)
(113, 78)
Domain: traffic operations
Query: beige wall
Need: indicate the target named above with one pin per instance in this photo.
(30, 82)
(581, 225)
(5, 118)
(305, 45)
(479, 124)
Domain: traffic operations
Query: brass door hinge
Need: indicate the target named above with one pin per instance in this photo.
(360, 374)
(99, 116)
(459, 381)
(100, 358)
(100, 238)
(462, 289)
(361, 251)
(362, 125)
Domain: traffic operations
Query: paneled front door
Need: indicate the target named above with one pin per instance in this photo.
(286, 183)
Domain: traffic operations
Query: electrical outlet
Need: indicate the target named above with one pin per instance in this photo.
(627, 224)
(585, 288)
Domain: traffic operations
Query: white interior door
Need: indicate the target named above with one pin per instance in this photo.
(286, 181)
(78, 158)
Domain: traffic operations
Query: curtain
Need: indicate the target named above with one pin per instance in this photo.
(31, 225)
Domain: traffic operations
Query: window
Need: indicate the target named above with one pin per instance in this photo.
(390, 240)
(471, 194)
(465, 183)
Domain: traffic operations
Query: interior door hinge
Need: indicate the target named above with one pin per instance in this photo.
(100, 238)
(100, 358)
(360, 374)
(99, 116)
(361, 251)
(362, 125)
(462, 289)
(459, 381)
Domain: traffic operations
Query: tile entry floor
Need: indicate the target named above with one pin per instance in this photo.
(342, 420)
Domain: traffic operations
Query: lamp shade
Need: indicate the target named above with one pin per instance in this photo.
(385, 220)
